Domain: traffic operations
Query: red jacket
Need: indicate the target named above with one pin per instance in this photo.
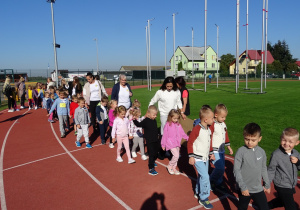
(73, 106)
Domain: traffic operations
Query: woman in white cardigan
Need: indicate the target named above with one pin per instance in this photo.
(168, 97)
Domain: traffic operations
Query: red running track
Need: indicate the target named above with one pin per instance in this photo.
(39, 170)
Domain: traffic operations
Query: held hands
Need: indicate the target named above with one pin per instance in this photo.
(191, 161)
(212, 157)
(48, 115)
(130, 137)
(71, 116)
(183, 116)
(101, 122)
(267, 190)
(294, 159)
(230, 150)
(114, 140)
(78, 126)
(245, 193)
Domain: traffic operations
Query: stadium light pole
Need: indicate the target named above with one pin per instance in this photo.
(205, 33)
(97, 54)
(166, 49)
(174, 71)
(54, 41)
(262, 49)
(217, 55)
(237, 44)
(266, 42)
(192, 57)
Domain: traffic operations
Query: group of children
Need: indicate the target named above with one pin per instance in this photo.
(207, 142)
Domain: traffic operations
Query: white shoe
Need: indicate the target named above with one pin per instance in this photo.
(21, 107)
(17, 109)
(29, 108)
(119, 159)
(131, 161)
(144, 157)
(111, 145)
(11, 110)
(134, 154)
(35, 108)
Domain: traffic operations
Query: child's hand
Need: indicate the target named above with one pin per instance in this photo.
(130, 137)
(78, 126)
(71, 116)
(163, 148)
(191, 161)
(101, 122)
(212, 157)
(245, 193)
(230, 150)
(48, 115)
(183, 116)
(294, 159)
(267, 190)
(113, 140)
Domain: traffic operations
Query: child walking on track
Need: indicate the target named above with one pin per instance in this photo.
(112, 104)
(29, 96)
(120, 130)
(82, 121)
(283, 170)
(200, 151)
(219, 141)
(137, 134)
(102, 118)
(62, 106)
(151, 135)
(249, 168)
(73, 107)
(171, 140)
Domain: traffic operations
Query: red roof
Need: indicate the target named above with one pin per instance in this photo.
(298, 63)
(256, 55)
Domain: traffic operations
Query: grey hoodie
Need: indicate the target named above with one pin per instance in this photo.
(249, 168)
(281, 170)
(82, 116)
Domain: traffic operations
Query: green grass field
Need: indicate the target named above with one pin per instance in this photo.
(273, 111)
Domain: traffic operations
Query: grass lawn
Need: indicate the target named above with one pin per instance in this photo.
(273, 111)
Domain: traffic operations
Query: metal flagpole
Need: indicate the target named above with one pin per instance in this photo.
(266, 43)
(166, 48)
(192, 57)
(174, 71)
(97, 55)
(237, 44)
(147, 56)
(217, 55)
(205, 60)
(247, 46)
(262, 49)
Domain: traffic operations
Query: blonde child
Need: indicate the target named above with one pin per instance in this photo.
(14, 99)
(219, 140)
(102, 118)
(119, 133)
(171, 140)
(73, 107)
(29, 96)
(50, 102)
(137, 133)
(112, 104)
(200, 152)
(136, 104)
(35, 96)
(82, 121)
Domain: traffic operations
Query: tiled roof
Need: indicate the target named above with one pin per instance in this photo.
(136, 68)
(198, 51)
(256, 55)
(298, 63)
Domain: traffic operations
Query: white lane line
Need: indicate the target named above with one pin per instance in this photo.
(212, 201)
(91, 175)
(49, 157)
(2, 193)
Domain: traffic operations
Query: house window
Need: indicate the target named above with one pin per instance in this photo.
(213, 65)
(176, 59)
(213, 57)
(176, 65)
(180, 57)
(196, 65)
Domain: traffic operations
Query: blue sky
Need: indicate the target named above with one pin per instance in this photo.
(26, 30)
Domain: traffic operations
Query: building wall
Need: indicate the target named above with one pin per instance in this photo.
(242, 66)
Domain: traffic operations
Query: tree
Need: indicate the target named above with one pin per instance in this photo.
(280, 51)
(224, 64)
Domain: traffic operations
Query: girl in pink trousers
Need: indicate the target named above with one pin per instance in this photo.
(171, 140)
(120, 130)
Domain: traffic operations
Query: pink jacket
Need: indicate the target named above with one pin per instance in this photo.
(172, 136)
(120, 127)
(111, 117)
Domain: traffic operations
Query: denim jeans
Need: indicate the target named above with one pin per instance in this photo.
(202, 185)
(216, 176)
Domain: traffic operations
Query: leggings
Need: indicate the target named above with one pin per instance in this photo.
(23, 100)
(138, 141)
(125, 141)
(9, 101)
(174, 160)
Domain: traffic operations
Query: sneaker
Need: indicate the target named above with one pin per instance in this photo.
(133, 154)
(29, 108)
(196, 196)
(152, 172)
(50, 121)
(88, 146)
(144, 157)
(17, 110)
(155, 165)
(75, 133)
(62, 135)
(11, 110)
(206, 204)
(111, 145)
(77, 144)
(35, 108)
(170, 170)
(102, 143)
(131, 161)
(176, 172)
(119, 159)
(22, 107)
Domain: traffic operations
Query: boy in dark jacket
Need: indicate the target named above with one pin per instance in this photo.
(102, 117)
(283, 170)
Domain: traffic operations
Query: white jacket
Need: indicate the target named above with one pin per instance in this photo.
(167, 101)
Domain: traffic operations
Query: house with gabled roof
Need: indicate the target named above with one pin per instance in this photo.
(254, 58)
(298, 64)
(188, 55)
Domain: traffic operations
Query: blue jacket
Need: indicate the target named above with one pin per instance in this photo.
(116, 89)
(62, 106)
